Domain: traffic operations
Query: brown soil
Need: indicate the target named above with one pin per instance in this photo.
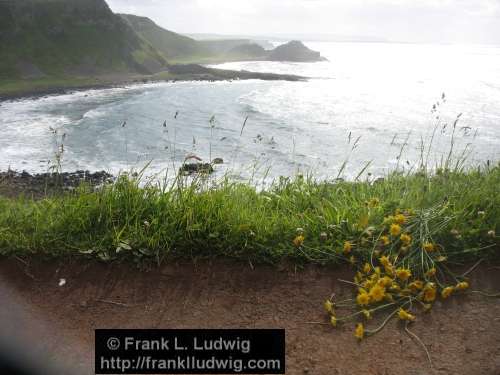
(462, 334)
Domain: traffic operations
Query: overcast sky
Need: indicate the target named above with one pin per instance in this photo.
(476, 21)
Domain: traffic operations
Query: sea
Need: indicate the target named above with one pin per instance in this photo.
(371, 109)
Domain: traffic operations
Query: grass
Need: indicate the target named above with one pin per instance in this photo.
(127, 221)
(11, 87)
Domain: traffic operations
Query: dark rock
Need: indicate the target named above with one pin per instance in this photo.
(192, 168)
(294, 51)
(218, 161)
(188, 69)
(38, 185)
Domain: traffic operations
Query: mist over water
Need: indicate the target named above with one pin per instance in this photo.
(380, 93)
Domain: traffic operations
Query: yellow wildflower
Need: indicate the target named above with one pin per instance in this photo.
(333, 321)
(298, 241)
(376, 270)
(429, 247)
(374, 202)
(377, 293)
(328, 305)
(384, 240)
(368, 283)
(347, 247)
(395, 287)
(384, 261)
(446, 292)
(358, 277)
(431, 272)
(360, 331)
(367, 268)
(430, 292)
(395, 230)
(352, 260)
(403, 274)
(405, 315)
(462, 285)
(385, 281)
(405, 239)
(389, 270)
(399, 219)
(363, 299)
(416, 285)
(367, 314)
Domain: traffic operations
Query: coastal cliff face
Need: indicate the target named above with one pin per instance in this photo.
(79, 37)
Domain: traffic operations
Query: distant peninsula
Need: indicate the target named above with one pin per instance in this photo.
(54, 45)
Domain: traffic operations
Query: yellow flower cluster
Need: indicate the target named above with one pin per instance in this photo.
(402, 268)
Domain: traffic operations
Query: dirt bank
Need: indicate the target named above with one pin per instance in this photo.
(463, 334)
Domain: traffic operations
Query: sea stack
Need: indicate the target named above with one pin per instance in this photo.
(294, 51)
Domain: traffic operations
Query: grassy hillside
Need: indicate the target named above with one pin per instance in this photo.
(170, 44)
(178, 48)
(41, 38)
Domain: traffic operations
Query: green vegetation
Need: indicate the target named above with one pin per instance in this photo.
(297, 219)
(11, 87)
(63, 39)
(170, 44)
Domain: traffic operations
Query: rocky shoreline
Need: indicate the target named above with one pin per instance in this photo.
(177, 73)
(14, 184)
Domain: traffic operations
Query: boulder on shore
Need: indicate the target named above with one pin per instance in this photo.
(193, 168)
